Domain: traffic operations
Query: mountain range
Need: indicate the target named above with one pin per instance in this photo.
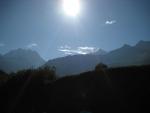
(126, 55)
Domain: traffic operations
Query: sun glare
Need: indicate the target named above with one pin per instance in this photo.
(71, 7)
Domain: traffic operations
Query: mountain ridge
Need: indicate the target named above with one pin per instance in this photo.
(19, 59)
(123, 56)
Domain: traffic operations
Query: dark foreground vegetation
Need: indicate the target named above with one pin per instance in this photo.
(121, 90)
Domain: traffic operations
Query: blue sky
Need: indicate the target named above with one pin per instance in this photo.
(42, 26)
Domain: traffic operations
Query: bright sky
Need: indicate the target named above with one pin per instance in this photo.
(50, 29)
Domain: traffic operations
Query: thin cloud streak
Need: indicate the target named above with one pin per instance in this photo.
(67, 50)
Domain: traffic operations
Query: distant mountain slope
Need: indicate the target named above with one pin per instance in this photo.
(124, 56)
(100, 52)
(143, 45)
(20, 59)
(129, 55)
(74, 64)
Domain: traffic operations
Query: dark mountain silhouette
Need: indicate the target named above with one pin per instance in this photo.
(103, 90)
(20, 59)
(124, 56)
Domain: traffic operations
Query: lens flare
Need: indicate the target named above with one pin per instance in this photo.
(71, 7)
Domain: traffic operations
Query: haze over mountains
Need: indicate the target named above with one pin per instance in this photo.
(124, 56)
(20, 59)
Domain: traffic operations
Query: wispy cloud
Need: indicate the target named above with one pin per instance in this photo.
(32, 45)
(65, 47)
(2, 44)
(79, 50)
(110, 22)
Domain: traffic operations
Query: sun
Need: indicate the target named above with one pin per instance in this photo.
(71, 7)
